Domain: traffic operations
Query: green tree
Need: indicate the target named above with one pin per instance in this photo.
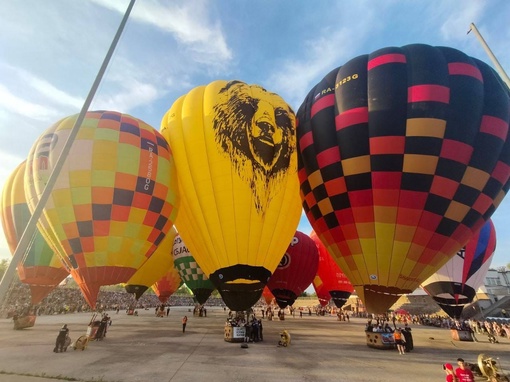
(4, 263)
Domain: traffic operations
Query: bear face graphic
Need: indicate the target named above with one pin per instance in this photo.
(256, 130)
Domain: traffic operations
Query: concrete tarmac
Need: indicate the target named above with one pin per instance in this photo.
(146, 348)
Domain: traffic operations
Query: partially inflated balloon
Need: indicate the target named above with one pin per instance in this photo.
(404, 155)
(296, 270)
(41, 268)
(455, 284)
(330, 277)
(235, 152)
(113, 202)
(191, 274)
(167, 285)
(154, 268)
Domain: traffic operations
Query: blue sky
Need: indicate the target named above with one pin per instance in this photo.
(50, 52)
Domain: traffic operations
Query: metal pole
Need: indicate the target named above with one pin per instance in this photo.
(31, 226)
(499, 68)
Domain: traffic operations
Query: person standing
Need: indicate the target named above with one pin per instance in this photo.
(450, 374)
(184, 322)
(61, 339)
(399, 341)
(462, 373)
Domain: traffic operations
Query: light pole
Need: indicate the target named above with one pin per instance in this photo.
(499, 68)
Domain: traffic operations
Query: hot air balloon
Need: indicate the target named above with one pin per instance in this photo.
(41, 268)
(322, 294)
(330, 278)
(403, 156)
(296, 270)
(154, 268)
(455, 284)
(267, 295)
(113, 202)
(191, 274)
(234, 150)
(167, 285)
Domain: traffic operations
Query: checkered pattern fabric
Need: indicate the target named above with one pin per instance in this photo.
(188, 269)
(114, 200)
(403, 156)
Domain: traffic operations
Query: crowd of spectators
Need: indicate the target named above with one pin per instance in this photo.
(64, 300)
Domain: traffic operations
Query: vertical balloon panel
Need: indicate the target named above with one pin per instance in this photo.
(234, 147)
(113, 202)
(41, 268)
(403, 157)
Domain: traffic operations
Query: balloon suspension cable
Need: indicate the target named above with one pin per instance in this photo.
(499, 68)
(31, 226)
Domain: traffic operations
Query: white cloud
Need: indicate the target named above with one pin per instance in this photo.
(460, 18)
(49, 91)
(14, 104)
(188, 22)
(132, 94)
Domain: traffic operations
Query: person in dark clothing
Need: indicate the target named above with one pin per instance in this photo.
(184, 323)
(61, 339)
(408, 337)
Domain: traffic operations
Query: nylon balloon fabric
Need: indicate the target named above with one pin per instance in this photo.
(114, 200)
(234, 146)
(190, 272)
(330, 282)
(154, 268)
(41, 268)
(455, 284)
(296, 270)
(403, 156)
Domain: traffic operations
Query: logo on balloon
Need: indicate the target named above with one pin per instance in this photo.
(255, 129)
(285, 261)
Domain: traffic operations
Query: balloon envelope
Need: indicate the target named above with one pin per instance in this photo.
(455, 284)
(296, 270)
(113, 202)
(191, 274)
(330, 278)
(41, 268)
(235, 152)
(167, 285)
(403, 156)
(267, 295)
(154, 268)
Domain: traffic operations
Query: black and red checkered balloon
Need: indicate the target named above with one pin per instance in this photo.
(403, 156)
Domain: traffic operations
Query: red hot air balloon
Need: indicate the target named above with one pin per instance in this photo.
(320, 289)
(267, 295)
(403, 156)
(330, 278)
(296, 270)
(455, 284)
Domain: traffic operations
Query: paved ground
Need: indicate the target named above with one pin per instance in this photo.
(147, 348)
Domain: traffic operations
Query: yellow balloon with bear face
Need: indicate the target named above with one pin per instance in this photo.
(234, 147)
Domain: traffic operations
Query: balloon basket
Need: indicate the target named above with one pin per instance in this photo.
(379, 340)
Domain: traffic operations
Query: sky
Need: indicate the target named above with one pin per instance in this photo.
(51, 51)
